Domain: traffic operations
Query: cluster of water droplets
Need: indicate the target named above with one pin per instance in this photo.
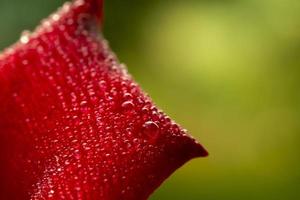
(88, 125)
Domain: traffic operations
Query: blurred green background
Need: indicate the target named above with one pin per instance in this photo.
(227, 70)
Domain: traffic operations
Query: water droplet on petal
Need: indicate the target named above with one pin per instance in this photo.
(25, 37)
(55, 17)
(83, 103)
(127, 105)
(127, 96)
(151, 129)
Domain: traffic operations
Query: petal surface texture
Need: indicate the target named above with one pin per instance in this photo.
(74, 124)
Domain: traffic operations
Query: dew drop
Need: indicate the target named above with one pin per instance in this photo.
(135, 140)
(51, 191)
(83, 103)
(127, 105)
(25, 37)
(145, 109)
(127, 96)
(25, 62)
(151, 129)
(55, 17)
(184, 132)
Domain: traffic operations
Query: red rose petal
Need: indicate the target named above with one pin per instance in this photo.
(73, 123)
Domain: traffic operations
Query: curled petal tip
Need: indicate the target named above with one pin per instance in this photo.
(203, 152)
(198, 150)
